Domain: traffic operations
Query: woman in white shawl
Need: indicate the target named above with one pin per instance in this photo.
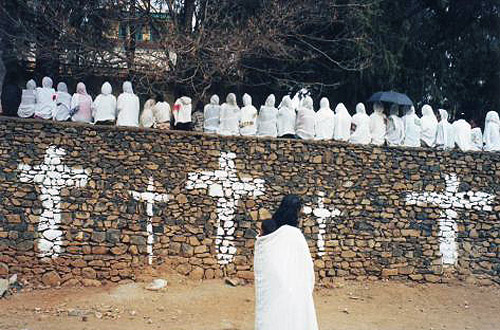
(127, 107)
(429, 126)
(182, 114)
(28, 100)
(306, 119)
(476, 136)
(286, 118)
(395, 128)
(147, 117)
(161, 113)
(361, 123)
(248, 123)
(211, 113)
(444, 136)
(412, 125)
(63, 103)
(325, 121)
(462, 133)
(104, 111)
(492, 132)
(378, 126)
(284, 272)
(343, 122)
(45, 100)
(81, 105)
(230, 116)
(267, 121)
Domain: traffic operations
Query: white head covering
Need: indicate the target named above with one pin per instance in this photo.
(477, 139)
(412, 127)
(325, 121)
(248, 123)
(82, 103)
(444, 136)
(378, 127)
(306, 119)
(211, 113)
(230, 116)
(105, 104)
(147, 119)
(28, 100)
(267, 121)
(45, 100)
(81, 88)
(361, 134)
(63, 103)
(429, 126)
(462, 133)
(492, 132)
(47, 82)
(286, 117)
(182, 110)
(62, 87)
(343, 123)
(127, 87)
(395, 128)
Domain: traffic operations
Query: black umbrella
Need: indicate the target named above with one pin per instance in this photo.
(391, 97)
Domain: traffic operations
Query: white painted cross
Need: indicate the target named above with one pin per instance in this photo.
(228, 188)
(150, 197)
(52, 176)
(322, 214)
(448, 202)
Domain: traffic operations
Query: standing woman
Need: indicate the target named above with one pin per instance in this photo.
(284, 273)
(81, 105)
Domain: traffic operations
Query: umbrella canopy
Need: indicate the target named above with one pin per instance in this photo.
(391, 97)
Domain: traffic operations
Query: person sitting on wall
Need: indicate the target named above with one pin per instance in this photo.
(287, 117)
(197, 117)
(267, 120)
(395, 127)
(161, 113)
(105, 106)
(182, 114)
(248, 123)
(147, 117)
(211, 114)
(45, 100)
(127, 107)
(284, 272)
(63, 103)
(492, 132)
(462, 133)
(343, 122)
(306, 118)
(28, 100)
(230, 116)
(361, 123)
(325, 121)
(444, 135)
(413, 128)
(378, 127)
(476, 136)
(429, 127)
(81, 105)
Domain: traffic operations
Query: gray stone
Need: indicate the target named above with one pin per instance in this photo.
(157, 284)
(4, 286)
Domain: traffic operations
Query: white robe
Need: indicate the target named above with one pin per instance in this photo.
(476, 139)
(45, 100)
(325, 121)
(127, 107)
(429, 126)
(286, 117)
(361, 134)
(28, 100)
(105, 104)
(211, 113)
(147, 118)
(444, 136)
(284, 282)
(63, 103)
(267, 121)
(81, 102)
(462, 134)
(378, 127)
(182, 110)
(395, 131)
(161, 113)
(230, 117)
(413, 128)
(492, 132)
(306, 118)
(248, 122)
(343, 122)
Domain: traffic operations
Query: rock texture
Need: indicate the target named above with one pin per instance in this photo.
(370, 212)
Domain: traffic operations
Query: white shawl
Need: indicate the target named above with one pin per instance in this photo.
(267, 121)
(248, 122)
(343, 123)
(305, 119)
(127, 107)
(230, 116)
(429, 126)
(325, 121)
(476, 139)
(395, 128)
(378, 126)
(444, 137)
(413, 128)
(462, 134)
(286, 117)
(361, 134)
(284, 282)
(211, 113)
(492, 132)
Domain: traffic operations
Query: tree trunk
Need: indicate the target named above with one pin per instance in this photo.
(131, 44)
(189, 6)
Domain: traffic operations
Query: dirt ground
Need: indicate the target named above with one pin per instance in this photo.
(214, 305)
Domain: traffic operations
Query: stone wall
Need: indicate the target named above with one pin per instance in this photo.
(80, 204)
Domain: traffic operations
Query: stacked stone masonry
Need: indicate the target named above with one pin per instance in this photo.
(80, 204)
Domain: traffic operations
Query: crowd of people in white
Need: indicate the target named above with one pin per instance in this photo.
(290, 119)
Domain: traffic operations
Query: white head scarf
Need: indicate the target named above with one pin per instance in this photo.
(413, 129)
(31, 85)
(147, 119)
(248, 123)
(462, 134)
(395, 128)
(325, 121)
(343, 123)
(63, 103)
(267, 121)
(361, 134)
(306, 119)
(82, 102)
(45, 100)
(106, 88)
(444, 136)
(28, 100)
(378, 126)
(62, 87)
(492, 132)
(230, 116)
(286, 117)
(211, 114)
(429, 126)
(127, 87)
(47, 82)
(182, 110)
(105, 104)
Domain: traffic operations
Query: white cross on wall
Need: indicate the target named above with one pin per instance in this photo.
(322, 214)
(52, 176)
(228, 188)
(448, 202)
(149, 197)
